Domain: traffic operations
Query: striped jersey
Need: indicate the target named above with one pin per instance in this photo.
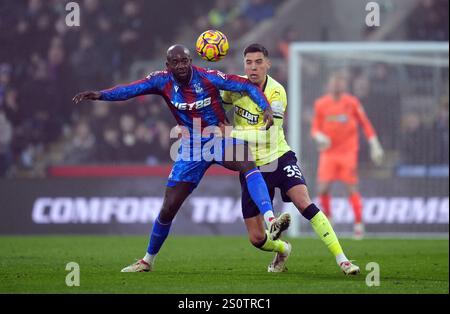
(200, 98)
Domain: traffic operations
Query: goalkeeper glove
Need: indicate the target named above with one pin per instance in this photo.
(323, 141)
(376, 151)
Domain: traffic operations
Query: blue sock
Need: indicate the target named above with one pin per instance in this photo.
(159, 235)
(258, 190)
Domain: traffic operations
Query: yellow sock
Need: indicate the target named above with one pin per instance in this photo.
(325, 231)
(273, 246)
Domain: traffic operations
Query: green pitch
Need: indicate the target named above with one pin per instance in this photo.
(218, 265)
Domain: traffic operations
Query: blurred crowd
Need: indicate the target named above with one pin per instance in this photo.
(429, 21)
(236, 17)
(44, 63)
(421, 128)
(389, 104)
(424, 138)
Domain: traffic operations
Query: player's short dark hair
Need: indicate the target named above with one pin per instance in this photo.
(256, 48)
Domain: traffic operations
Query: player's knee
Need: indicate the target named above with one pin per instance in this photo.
(246, 166)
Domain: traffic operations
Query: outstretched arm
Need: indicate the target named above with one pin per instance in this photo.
(149, 85)
(90, 95)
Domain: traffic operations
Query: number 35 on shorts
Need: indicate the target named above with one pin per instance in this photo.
(293, 171)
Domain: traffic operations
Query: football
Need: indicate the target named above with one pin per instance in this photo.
(212, 45)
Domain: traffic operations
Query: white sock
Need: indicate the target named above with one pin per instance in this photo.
(148, 258)
(341, 258)
(268, 216)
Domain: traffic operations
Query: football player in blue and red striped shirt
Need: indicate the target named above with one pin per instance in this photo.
(192, 94)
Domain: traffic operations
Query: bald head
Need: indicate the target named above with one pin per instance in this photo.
(179, 50)
(179, 63)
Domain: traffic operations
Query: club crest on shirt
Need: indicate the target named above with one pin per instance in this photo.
(198, 88)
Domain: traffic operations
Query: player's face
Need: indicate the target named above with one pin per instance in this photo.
(337, 85)
(180, 66)
(256, 67)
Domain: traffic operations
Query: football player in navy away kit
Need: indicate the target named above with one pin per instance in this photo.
(276, 155)
(192, 94)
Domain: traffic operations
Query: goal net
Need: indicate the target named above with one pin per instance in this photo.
(403, 88)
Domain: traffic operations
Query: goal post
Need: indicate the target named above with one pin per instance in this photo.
(397, 83)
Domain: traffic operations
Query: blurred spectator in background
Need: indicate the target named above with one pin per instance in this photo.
(440, 135)
(360, 85)
(81, 147)
(42, 30)
(289, 35)
(102, 116)
(60, 86)
(88, 73)
(162, 141)
(313, 83)
(6, 135)
(158, 124)
(413, 140)
(383, 103)
(224, 12)
(145, 151)
(226, 16)
(5, 78)
(131, 32)
(36, 111)
(128, 138)
(91, 13)
(11, 107)
(429, 21)
(105, 43)
(256, 11)
(109, 147)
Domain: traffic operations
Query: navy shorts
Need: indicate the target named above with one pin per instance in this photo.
(286, 175)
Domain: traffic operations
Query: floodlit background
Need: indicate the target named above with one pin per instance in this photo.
(99, 168)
